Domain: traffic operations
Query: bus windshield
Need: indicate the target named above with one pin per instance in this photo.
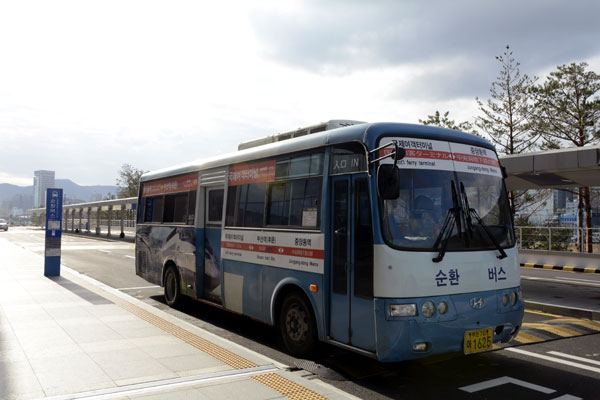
(414, 220)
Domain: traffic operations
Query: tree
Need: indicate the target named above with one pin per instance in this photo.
(568, 111)
(507, 115)
(445, 122)
(507, 119)
(128, 181)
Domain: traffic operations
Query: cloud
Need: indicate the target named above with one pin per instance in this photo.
(335, 37)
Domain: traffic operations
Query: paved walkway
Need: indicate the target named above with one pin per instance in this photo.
(71, 337)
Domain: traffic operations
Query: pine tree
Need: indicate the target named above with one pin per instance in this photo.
(568, 111)
(445, 122)
(507, 119)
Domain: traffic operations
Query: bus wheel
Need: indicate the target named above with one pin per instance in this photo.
(172, 290)
(297, 325)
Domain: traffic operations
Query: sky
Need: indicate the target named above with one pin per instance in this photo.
(86, 86)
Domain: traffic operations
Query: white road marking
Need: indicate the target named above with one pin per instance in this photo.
(553, 359)
(104, 251)
(502, 381)
(582, 359)
(581, 280)
(139, 287)
(129, 257)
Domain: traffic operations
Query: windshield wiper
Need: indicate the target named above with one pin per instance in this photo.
(471, 212)
(452, 219)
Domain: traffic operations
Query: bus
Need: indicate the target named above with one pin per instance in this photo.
(392, 240)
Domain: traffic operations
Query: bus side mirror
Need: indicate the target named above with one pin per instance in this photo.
(388, 182)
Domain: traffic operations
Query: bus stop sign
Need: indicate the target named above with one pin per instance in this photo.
(54, 199)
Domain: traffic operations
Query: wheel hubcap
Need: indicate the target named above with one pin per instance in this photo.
(296, 325)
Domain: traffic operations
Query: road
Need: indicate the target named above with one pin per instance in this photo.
(556, 357)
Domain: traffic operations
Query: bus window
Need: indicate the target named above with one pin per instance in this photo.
(363, 242)
(215, 206)
(154, 209)
(176, 208)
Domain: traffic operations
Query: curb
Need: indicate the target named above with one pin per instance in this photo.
(585, 270)
(563, 311)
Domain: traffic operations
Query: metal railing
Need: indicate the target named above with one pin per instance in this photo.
(555, 238)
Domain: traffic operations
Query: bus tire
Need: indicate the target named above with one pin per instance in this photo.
(172, 288)
(297, 326)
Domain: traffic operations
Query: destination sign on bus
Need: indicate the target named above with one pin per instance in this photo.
(252, 173)
(445, 156)
(176, 184)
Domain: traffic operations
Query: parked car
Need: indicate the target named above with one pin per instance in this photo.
(3, 224)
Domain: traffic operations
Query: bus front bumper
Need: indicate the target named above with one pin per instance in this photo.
(416, 336)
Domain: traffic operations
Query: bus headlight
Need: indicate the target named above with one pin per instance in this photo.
(513, 298)
(442, 307)
(428, 309)
(504, 299)
(402, 310)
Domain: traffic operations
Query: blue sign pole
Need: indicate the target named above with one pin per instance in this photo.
(54, 198)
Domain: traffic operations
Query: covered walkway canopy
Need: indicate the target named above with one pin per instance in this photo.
(563, 168)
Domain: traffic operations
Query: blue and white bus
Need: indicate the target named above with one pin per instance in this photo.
(392, 240)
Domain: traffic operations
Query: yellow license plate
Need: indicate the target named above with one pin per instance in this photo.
(478, 341)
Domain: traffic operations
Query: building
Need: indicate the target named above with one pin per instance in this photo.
(42, 180)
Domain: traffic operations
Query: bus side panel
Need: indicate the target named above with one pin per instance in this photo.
(211, 272)
(249, 289)
(158, 245)
(146, 261)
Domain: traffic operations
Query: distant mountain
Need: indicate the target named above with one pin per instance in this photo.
(22, 196)
(84, 193)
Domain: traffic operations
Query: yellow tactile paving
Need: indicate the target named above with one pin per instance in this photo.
(556, 330)
(274, 381)
(287, 387)
(219, 353)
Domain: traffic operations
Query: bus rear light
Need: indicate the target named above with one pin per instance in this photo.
(402, 310)
(428, 309)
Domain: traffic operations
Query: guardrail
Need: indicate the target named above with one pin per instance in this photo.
(554, 238)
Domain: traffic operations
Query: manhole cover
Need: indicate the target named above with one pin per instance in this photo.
(318, 369)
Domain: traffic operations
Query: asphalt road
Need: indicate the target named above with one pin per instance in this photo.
(565, 368)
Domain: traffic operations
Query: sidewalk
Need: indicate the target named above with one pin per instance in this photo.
(71, 337)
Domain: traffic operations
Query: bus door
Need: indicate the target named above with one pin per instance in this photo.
(213, 215)
(352, 316)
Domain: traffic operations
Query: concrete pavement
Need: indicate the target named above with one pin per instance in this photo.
(71, 337)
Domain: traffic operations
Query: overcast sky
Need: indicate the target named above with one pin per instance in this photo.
(86, 86)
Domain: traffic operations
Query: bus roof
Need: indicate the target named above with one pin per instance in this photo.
(367, 133)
